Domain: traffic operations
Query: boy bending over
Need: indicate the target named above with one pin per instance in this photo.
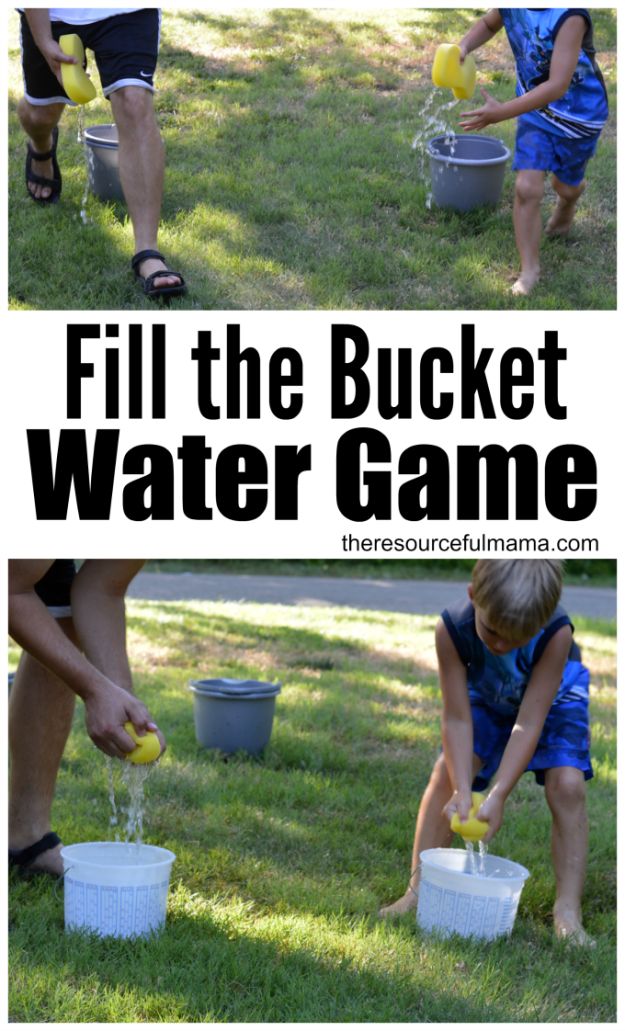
(515, 698)
(561, 106)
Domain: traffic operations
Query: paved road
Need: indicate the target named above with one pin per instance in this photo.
(419, 596)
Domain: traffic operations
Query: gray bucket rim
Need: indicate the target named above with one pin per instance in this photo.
(223, 687)
(91, 138)
(522, 874)
(451, 159)
(220, 696)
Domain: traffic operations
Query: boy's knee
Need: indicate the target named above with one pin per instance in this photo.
(529, 187)
(566, 191)
(565, 787)
(439, 777)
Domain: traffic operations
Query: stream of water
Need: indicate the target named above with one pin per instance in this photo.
(477, 866)
(126, 820)
(435, 121)
(80, 138)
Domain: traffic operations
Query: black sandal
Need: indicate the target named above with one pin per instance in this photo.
(22, 858)
(156, 293)
(55, 183)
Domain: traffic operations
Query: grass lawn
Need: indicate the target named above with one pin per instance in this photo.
(292, 182)
(282, 862)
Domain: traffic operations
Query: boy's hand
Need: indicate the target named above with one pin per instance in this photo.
(460, 803)
(472, 121)
(491, 811)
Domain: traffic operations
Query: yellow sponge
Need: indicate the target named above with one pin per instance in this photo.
(447, 71)
(76, 82)
(471, 829)
(148, 747)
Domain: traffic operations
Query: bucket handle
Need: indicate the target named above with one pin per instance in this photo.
(59, 880)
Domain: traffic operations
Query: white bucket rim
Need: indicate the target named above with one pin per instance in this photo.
(429, 857)
(71, 853)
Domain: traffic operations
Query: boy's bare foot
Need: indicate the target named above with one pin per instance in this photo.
(561, 218)
(405, 904)
(568, 927)
(526, 282)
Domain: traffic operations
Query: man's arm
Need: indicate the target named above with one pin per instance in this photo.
(456, 724)
(563, 63)
(38, 19)
(99, 613)
(537, 701)
(107, 705)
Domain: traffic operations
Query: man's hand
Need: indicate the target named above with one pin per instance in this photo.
(460, 803)
(107, 710)
(491, 811)
(472, 121)
(55, 57)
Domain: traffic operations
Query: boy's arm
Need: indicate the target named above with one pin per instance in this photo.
(38, 19)
(563, 64)
(537, 701)
(480, 32)
(456, 724)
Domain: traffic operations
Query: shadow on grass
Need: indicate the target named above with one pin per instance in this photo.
(206, 969)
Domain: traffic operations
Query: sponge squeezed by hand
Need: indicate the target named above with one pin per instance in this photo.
(76, 82)
(471, 829)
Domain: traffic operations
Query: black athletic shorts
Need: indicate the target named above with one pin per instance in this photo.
(55, 586)
(125, 49)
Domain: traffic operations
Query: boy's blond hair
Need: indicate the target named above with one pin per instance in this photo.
(517, 596)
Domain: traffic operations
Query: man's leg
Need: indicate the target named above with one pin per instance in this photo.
(528, 195)
(141, 170)
(566, 795)
(40, 717)
(564, 211)
(432, 831)
(38, 121)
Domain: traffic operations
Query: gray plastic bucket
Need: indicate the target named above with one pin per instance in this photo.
(467, 171)
(234, 715)
(102, 153)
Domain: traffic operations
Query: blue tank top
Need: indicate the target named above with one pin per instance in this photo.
(500, 680)
(582, 112)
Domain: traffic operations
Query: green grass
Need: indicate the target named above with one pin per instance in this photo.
(282, 862)
(292, 182)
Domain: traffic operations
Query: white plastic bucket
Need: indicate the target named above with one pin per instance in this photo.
(455, 900)
(115, 888)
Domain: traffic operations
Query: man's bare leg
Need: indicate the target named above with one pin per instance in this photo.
(432, 831)
(38, 121)
(564, 212)
(566, 795)
(528, 194)
(141, 170)
(40, 718)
